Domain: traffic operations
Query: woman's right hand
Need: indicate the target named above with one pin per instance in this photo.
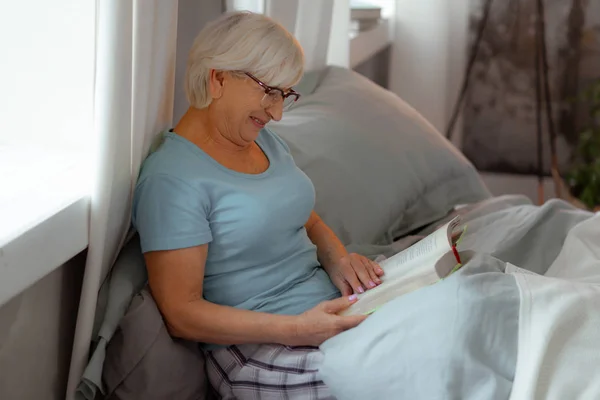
(320, 323)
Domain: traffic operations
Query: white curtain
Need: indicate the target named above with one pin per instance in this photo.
(321, 27)
(135, 72)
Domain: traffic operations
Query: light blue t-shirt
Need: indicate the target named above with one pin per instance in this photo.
(259, 255)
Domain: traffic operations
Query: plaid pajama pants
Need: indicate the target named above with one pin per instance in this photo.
(266, 371)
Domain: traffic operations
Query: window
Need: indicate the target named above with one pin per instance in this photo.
(257, 6)
(46, 116)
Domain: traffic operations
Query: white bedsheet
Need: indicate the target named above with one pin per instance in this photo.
(484, 333)
(559, 323)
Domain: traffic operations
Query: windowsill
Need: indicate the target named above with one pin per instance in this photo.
(44, 214)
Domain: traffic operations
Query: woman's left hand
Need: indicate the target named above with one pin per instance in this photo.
(354, 273)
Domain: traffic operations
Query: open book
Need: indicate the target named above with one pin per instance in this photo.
(426, 262)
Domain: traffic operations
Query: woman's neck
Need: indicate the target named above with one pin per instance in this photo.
(199, 127)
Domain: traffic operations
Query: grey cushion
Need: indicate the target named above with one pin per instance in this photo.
(310, 81)
(127, 277)
(144, 362)
(379, 168)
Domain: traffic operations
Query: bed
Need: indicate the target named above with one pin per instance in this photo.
(385, 178)
(510, 325)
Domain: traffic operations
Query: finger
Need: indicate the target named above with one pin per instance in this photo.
(353, 280)
(370, 268)
(362, 270)
(340, 282)
(339, 304)
(350, 322)
(345, 288)
(377, 268)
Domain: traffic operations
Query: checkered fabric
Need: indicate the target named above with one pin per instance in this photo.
(266, 371)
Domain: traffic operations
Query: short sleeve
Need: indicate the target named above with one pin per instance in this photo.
(170, 214)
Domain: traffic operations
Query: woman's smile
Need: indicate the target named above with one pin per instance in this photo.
(259, 123)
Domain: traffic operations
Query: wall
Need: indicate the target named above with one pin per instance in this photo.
(429, 56)
(458, 22)
(376, 68)
(500, 119)
(527, 185)
(36, 335)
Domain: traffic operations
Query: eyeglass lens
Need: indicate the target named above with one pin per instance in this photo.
(275, 97)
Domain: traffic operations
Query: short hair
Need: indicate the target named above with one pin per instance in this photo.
(247, 42)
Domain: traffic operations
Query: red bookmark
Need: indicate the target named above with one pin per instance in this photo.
(456, 255)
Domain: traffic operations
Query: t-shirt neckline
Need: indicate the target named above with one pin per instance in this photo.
(204, 155)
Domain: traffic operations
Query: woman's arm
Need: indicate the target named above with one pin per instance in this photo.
(176, 281)
(330, 249)
(348, 271)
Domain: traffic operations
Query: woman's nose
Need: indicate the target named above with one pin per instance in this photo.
(276, 111)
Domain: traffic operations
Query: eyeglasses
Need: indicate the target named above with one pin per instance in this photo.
(275, 95)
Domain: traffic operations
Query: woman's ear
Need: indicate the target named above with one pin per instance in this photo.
(216, 83)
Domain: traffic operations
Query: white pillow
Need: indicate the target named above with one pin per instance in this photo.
(379, 168)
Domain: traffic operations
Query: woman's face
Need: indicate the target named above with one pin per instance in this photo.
(237, 102)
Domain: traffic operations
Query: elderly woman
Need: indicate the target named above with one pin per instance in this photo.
(237, 259)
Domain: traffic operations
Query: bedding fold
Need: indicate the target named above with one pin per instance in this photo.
(483, 333)
(559, 323)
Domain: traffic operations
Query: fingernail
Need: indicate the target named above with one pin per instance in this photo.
(360, 289)
(379, 271)
(371, 284)
(377, 280)
(352, 297)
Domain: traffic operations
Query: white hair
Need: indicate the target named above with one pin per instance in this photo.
(242, 42)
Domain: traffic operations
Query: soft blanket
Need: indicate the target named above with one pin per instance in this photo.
(488, 332)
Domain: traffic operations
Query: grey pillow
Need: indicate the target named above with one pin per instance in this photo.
(310, 81)
(144, 362)
(379, 168)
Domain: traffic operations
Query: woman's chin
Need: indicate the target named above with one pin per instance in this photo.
(251, 133)
(253, 129)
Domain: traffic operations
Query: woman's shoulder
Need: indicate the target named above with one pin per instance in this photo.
(168, 171)
(171, 168)
(171, 156)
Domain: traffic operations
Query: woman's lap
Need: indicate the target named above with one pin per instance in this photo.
(267, 371)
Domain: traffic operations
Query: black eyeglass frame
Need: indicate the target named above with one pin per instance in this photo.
(268, 89)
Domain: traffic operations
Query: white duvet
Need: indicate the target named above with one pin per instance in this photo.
(491, 331)
(559, 322)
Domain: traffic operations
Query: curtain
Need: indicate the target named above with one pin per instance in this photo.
(321, 26)
(133, 103)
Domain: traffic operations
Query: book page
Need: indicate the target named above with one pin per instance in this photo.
(423, 249)
(409, 269)
(374, 298)
(422, 254)
(371, 300)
